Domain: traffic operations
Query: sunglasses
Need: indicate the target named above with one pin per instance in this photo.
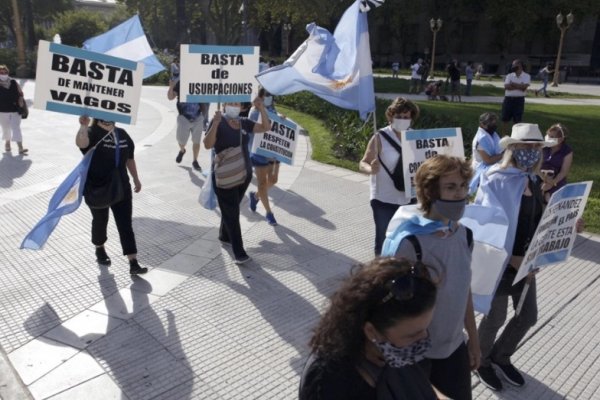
(403, 288)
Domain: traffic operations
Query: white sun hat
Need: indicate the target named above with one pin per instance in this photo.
(525, 133)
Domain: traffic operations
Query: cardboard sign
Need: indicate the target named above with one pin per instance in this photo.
(420, 144)
(218, 74)
(555, 234)
(279, 142)
(81, 82)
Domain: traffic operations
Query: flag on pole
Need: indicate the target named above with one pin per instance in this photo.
(335, 67)
(65, 200)
(127, 40)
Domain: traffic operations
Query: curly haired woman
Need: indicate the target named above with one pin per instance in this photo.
(368, 342)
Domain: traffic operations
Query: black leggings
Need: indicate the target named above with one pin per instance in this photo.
(452, 375)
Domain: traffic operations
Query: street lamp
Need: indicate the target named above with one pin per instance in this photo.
(563, 24)
(287, 28)
(435, 26)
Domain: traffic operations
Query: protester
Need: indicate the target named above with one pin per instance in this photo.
(416, 72)
(454, 75)
(545, 75)
(433, 90)
(486, 150)
(381, 160)
(557, 160)
(190, 122)
(515, 85)
(469, 73)
(512, 186)
(266, 169)
(11, 97)
(369, 340)
(224, 134)
(114, 150)
(395, 69)
(174, 70)
(433, 235)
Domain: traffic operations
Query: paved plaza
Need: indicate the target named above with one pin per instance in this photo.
(197, 326)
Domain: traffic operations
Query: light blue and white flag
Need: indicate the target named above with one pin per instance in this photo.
(65, 200)
(335, 67)
(127, 40)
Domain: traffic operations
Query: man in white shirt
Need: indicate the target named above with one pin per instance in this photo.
(515, 85)
(415, 77)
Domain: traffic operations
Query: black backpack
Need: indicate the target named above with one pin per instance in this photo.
(422, 69)
(398, 174)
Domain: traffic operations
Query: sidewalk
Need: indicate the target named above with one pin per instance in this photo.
(197, 326)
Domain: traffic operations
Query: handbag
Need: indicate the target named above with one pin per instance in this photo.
(397, 175)
(110, 191)
(22, 110)
(230, 167)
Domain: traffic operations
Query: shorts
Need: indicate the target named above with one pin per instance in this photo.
(512, 108)
(186, 127)
(454, 85)
(262, 161)
(414, 82)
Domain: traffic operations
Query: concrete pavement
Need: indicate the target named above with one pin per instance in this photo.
(197, 326)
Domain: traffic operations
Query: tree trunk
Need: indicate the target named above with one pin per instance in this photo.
(22, 66)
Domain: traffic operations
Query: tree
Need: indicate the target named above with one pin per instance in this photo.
(77, 26)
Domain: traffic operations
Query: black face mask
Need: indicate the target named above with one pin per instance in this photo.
(491, 129)
(514, 68)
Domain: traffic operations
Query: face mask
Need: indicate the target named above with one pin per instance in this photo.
(514, 69)
(232, 111)
(3, 77)
(268, 101)
(398, 357)
(400, 124)
(552, 140)
(526, 158)
(491, 128)
(451, 209)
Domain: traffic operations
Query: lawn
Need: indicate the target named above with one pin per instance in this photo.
(582, 121)
(401, 85)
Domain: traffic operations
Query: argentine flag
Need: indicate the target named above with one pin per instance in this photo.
(335, 67)
(65, 200)
(127, 41)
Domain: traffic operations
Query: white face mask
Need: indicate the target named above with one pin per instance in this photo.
(554, 141)
(400, 124)
(3, 77)
(232, 111)
(268, 101)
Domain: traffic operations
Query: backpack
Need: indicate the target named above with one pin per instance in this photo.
(422, 69)
(397, 175)
(417, 246)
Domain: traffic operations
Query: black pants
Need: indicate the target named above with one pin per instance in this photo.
(122, 212)
(382, 214)
(452, 375)
(229, 202)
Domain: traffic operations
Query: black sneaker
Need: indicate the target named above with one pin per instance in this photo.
(135, 268)
(488, 377)
(196, 166)
(101, 257)
(179, 156)
(511, 374)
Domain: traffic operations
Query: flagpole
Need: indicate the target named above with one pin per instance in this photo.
(523, 294)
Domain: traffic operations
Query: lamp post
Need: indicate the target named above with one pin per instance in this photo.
(287, 28)
(435, 26)
(21, 71)
(563, 24)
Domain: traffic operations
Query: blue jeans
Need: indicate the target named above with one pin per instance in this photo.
(382, 214)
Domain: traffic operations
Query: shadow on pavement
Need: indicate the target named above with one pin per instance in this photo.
(533, 389)
(299, 206)
(12, 167)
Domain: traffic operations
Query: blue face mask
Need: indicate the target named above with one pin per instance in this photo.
(526, 158)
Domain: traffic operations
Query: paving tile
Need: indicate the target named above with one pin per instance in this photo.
(83, 329)
(99, 388)
(125, 303)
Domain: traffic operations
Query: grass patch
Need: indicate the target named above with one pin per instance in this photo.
(401, 85)
(321, 139)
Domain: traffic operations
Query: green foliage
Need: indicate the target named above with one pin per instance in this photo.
(76, 26)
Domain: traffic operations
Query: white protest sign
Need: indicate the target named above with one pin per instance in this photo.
(81, 82)
(555, 234)
(279, 142)
(218, 74)
(420, 144)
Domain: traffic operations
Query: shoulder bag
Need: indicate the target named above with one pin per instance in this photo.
(398, 174)
(110, 191)
(230, 166)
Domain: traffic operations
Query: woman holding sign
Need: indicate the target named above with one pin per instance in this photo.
(383, 161)
(112, 159)
(266, 169)
(232, 170)
(512, 185)
(557, 160)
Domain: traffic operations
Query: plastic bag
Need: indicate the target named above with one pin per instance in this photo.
(208, 197)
